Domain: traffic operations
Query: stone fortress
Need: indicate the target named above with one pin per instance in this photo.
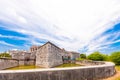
(48, 55)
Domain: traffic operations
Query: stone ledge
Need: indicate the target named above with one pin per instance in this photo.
(107, 64)
(95, 72)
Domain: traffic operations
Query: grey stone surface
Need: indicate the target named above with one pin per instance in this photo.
(48, 55)
(89, 62)
(26, 62)
(24, 58)
(8, 63)
(97, 72)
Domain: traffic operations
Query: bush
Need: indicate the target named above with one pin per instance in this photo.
(3, 55)
(105, 57)
(115, 57)
(79, 59)
(83, 56)
(97, 56)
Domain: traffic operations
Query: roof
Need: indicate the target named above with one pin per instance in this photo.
(72, 52)
(49, 43)
(33, 46)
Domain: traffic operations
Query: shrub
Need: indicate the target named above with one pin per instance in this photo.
(105, 57)
(115, 57)
(83, 56)
(3, 55)
(96, 56)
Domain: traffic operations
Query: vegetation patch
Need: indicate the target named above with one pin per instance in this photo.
(24, 67)
(117, 68)
(5, 55)
(68, 65)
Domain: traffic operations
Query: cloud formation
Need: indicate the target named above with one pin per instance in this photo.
(76, 25)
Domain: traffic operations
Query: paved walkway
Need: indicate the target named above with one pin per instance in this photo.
(115, 77)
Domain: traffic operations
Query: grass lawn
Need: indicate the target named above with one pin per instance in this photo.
(68, 65)
(117, 68)
(23, 67)
(35, 67)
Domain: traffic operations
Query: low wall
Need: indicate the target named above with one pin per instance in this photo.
(27, 62)
(74, 73)
(89, 62)
(8, 63)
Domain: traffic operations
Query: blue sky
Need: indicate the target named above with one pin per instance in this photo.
(84, 26)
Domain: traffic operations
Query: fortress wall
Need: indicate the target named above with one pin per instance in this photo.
(21, 62)
(55, 56)
(30, 62)
(89, 62)
(8, 63)
(27, 62)
(97, 72)
(42, 56)
(48, 55)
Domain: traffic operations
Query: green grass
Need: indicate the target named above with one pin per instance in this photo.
(23, 67)
(35, 67)
(117, 68)
(68, 65)
(118, 79)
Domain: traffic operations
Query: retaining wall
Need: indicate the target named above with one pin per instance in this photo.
(27, 62)
(89, 62)
(74, 73)
(8, 63)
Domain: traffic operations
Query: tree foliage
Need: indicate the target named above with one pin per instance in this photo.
(115, 57)
(4, 55)
(83, 56)
(97, 56)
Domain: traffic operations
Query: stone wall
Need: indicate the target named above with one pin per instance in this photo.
(48, 55)
(27, 62)
(55, 55)
(8, 63)
(75, 73)
(21, 55)
(42, 56)
(24, 58)
(70, 55)
(74, 55)
(33, 55)
(30, 62)
(89, 62)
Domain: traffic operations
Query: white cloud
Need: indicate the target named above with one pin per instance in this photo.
(7, 44)
(72, 24)
(13, 37)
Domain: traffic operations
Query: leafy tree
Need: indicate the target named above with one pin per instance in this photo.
(96, 56)
(106, 57)
(83, 56)
(115, 57)
(2, 55)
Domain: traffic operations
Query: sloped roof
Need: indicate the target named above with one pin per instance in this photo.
(49, 43)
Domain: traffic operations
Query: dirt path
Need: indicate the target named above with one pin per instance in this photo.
(115, 77)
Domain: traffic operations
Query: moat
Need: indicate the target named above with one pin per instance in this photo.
(36, 67)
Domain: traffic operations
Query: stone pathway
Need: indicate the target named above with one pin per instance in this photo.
(115, 77)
